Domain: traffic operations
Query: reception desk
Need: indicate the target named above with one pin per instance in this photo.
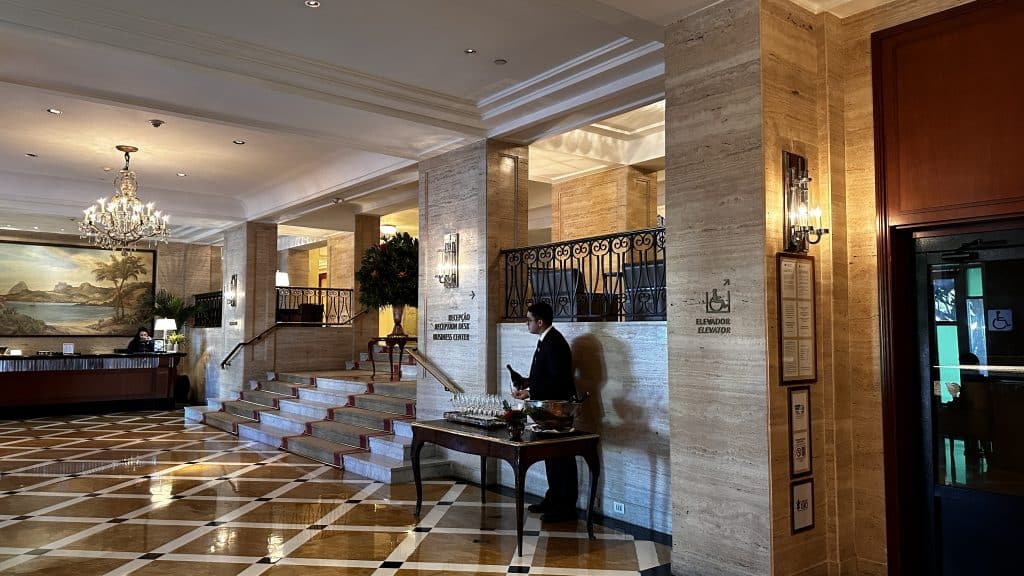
(131, 380)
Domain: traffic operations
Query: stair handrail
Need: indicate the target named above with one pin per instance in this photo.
(227, 360)
(434, 371)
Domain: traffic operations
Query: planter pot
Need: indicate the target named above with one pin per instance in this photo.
(397, 311)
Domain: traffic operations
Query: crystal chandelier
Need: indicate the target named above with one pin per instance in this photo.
(122, 221)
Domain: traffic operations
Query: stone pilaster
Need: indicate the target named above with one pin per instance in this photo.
(715, 200)
(364, 327)
(480, 193)
(615, 200)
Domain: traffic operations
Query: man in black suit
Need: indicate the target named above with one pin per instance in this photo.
(551, 378)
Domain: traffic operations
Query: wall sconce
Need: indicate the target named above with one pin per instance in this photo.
(803, 221)
(448, 262)
(232, 295)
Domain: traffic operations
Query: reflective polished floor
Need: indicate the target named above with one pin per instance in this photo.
(144, 493)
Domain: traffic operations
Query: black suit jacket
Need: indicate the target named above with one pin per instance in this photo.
(551, 375)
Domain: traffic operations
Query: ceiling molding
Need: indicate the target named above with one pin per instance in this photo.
(94, 23)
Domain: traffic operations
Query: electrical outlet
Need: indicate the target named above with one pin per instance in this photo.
(618, 507)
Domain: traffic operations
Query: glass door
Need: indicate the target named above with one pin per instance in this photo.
(970, 290)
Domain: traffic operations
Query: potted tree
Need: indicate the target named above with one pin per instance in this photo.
(388, 275)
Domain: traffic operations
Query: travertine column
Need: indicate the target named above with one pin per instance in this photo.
(250, 254)
(364, 327)
(714, 196)
(479, 192)
(614, 200)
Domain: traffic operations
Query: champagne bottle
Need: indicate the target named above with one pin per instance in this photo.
(517, 378)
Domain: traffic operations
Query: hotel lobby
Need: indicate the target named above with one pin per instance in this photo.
(780, 238)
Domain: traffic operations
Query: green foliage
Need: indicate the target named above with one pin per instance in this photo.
(389, 273)
(167, 305)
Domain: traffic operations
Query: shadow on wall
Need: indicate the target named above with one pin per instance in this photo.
(623, 421)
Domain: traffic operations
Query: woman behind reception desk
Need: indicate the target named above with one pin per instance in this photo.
(142, 342)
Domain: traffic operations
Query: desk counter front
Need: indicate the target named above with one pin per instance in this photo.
(27, 381)
(494, 443)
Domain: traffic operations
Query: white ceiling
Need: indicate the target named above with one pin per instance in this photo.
(336, 104)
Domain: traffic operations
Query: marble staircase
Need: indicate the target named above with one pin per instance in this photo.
(344, 418)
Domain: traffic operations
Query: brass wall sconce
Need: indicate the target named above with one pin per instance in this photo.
(803, 222)
(232, 295)
(448, 262)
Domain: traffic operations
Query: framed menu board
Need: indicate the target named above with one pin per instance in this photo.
(799, 358)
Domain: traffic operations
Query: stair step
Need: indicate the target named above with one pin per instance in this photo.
(264, 397)
(400, 389)
(295, 377)
(402, 428)
(225, 421)
(280, 387)
(399, 447)
(344, 433)
(196, 413)
(341, 385)
(293, 423)
(264, 433)
(368, 418)
(390, 404)
(392, 470)
(247, 409)
(319, 449)
(308, 408)
(330, 397)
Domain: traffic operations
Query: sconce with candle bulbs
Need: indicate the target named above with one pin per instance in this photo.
(448, 262)
(803, 225)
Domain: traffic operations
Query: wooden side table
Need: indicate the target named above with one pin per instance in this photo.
(391, 342)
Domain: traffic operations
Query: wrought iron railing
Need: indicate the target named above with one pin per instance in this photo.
(208, 309)
(612, 277)
(306, 305)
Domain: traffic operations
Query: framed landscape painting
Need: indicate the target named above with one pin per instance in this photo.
(59, 290)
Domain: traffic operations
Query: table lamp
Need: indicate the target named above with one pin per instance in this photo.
(165, 324)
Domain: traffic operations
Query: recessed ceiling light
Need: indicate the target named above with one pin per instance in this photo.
(500, 61)
(35, 227)
(106, 168)
(31, 155)
(61, 229)
(54, 111)
(312, 4)
(239, 142)
(470, 51)
(182, 174)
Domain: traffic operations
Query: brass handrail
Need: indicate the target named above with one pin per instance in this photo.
(434, 371)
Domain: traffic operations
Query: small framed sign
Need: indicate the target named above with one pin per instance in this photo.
(799, 431)
(801, 498)
(68, 348)
(796, 318)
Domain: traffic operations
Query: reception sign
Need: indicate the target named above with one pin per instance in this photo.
(59, 290)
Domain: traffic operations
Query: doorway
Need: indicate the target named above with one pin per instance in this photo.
(969, 291)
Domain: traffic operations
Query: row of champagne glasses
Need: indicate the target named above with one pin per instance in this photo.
(483, 404)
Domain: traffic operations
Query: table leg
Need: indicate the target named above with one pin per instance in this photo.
(416, 447)
(373, 364)
(483, 479)
(595, 472)
(520, 472)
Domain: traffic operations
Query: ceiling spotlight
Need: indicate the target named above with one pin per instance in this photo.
(61, 229)
(470, 51)
(35, 227)
(500, 61)
(156, 122)
(239, 142)
(182, 174)
(56, 111)
(31, 155)
(106, 168)
(312, 4)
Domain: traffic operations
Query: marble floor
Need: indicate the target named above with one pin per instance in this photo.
(145, 493)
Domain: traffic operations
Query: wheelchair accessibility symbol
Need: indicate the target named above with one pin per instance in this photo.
(1000, 320)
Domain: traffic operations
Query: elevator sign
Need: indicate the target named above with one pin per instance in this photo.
(1000, 320)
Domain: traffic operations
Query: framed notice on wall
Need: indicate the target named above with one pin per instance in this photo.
(799, 431)
(801, 504)
(797, 346)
